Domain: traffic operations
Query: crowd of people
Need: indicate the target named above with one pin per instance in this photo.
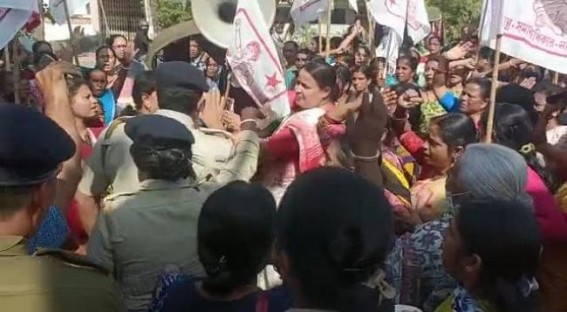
(142, 190)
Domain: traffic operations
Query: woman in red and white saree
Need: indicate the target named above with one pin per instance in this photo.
(295, 146)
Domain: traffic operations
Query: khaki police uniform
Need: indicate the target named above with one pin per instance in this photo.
(140, 234)
(50, 280)
(53, 281)
(111, 163)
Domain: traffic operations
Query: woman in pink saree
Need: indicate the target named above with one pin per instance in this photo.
(295, 146)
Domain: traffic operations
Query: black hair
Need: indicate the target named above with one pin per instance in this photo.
(145, 83)
(335, 238)
(14, 198)
(235, 235)
(366, 70)
(293, 43)
(179, 99)
(484, 84)
(112, 38)
(103, 48)
(41, 46)
(325, 76)
(513, 128)
(74, 83)
(518, 95)
(456, 129)
(161, 159)
(344, 78)
(306, 52)
(336, 42)
(412, 61)
(505, 235)
(486, 53)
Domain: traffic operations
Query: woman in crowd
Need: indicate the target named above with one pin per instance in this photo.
(447, 139)
(362, 77)
(98, 82)
(475, 98)
(437, 97)
(144, 94)
(295, 146)
(405, 69)
(513, 128)
(434, 46)
(492, 248)
(362, 56)
(236, 233)
(347, 232)
(106, 62)
(213, 73)
(483, 171)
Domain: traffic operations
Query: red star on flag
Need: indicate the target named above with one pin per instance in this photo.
(392, 2)
(273, 81)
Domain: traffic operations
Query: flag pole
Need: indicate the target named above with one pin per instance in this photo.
(328, 32)
(494, 87)
(555, 78)
(320, 25)
(371, 27)
(71, 37)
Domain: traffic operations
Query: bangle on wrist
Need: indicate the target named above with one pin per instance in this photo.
(367, 158)
(249, 120)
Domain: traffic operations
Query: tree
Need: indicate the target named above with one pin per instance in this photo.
(458, 14)
(172, 12)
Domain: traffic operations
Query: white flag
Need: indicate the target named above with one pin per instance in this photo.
(389, 48)
(254, 60)
(57, 9)
(535, 31)
(354, 5)
(14, 14)
(397, 13)
(305, 11)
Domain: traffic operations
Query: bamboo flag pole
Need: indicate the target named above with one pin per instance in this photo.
(555, 78)
(328, 31)
(42, 19)
(320, 32)
(492, 104)
(371, 28)
(71, 37)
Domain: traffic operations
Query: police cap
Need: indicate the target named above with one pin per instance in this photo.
(151, 128)
(32, 146)
(182, 75)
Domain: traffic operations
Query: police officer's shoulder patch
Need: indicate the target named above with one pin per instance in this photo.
(71, 259)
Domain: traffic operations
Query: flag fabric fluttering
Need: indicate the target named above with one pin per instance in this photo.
(396, 14)
(253, 58)
(535, 31)
(354, 5)
(57, 9)
(305, 11)
(15, 14)
(389, 49)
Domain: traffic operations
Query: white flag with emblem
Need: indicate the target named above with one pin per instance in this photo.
(305, 11)
(14, 14)
(254, 60)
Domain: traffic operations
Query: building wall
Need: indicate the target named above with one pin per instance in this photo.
(122, 16)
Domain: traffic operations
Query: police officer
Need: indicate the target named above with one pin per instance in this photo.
(138, 235)
(32, 151)
(111, 170)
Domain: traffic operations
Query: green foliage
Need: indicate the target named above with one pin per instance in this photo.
(172, 12)
(458, 14)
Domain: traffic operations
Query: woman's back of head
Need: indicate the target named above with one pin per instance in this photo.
(513, 128)
(235, 234)
(492, 171)
(456, 129)
(506, 238)
(335, 228)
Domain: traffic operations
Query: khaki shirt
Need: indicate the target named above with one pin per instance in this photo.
(210, 153)
(139, 235)
(52, 282)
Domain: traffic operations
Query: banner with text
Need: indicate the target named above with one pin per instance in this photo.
(535, 31)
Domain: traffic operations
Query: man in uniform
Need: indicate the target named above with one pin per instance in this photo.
(32, 151)
(180, 87)
(167, 205)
